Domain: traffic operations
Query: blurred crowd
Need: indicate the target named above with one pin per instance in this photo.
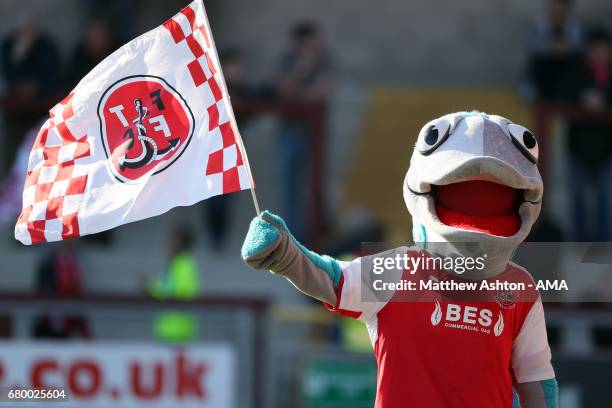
(571, 65)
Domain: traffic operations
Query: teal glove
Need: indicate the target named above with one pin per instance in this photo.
(262, 234)
(270, 245)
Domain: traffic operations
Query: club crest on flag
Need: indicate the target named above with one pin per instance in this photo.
(145, 125)
(150, 128)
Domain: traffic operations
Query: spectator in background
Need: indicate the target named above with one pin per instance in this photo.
(233, 70)
(305, 76)
(59, 274)
(98, 42)
(121, 14)
(558, 32)
(179, 282)
(29, 63)
(590, 145)
(555, 42)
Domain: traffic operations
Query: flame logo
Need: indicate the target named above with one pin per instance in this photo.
(499, 326)
(436, 316)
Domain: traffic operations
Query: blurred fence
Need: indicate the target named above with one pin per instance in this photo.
(123, 325)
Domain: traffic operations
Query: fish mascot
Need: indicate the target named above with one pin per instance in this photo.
(474, 191)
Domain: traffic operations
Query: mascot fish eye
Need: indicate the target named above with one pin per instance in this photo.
(472, 189)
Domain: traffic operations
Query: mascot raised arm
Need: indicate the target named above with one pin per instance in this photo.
(473, 190)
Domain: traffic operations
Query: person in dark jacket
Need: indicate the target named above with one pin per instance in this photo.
(98, 43)
(590, 144)
(29, 65)
(59, 274)
(555, 41)
(30, 61)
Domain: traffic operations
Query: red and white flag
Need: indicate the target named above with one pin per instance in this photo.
(148, 129)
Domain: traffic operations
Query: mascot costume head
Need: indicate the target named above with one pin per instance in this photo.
(473, 187)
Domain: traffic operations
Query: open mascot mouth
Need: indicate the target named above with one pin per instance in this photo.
(479, 205)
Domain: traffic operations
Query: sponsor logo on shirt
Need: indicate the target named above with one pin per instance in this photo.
(467, 317)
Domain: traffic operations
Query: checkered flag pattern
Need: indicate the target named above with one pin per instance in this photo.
(55, 181)
(189, 27)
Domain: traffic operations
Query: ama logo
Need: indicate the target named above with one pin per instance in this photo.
(145, 126)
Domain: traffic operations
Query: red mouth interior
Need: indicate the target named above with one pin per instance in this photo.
(479, 205)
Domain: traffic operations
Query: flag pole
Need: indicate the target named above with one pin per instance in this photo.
(230, 112)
